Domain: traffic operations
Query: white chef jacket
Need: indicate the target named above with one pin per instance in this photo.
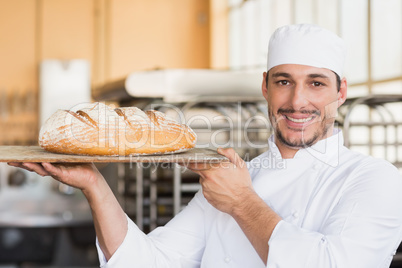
(338, 208)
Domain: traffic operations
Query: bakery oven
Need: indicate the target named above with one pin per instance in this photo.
(43, 223)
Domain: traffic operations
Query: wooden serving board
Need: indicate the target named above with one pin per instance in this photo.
(37, 154)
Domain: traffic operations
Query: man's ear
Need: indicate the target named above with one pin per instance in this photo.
(264, 86)
(342, 94)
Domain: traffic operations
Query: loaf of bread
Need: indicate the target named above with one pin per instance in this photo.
(98, 129)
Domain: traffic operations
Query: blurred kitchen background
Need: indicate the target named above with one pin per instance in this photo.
(193, 57)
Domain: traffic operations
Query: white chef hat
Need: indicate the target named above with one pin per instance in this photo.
(307, 44)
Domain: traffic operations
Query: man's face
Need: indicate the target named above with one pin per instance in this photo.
(302, 103)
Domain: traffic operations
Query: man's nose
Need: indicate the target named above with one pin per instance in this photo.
(299, 98)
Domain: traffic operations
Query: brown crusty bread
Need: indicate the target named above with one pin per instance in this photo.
(98, 129)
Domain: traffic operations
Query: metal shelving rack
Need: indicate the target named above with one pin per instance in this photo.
(378, 115)
(152, 195)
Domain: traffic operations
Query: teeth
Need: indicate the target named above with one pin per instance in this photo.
(301, 120)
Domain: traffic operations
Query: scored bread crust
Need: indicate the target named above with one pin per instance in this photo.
(98, 129)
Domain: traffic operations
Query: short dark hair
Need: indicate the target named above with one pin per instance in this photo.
(338, 80)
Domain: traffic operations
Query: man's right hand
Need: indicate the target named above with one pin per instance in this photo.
(82, 176)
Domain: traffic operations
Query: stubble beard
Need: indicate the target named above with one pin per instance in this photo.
(302, 143)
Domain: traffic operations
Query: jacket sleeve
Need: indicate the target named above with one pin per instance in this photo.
(362, 230)
(180, 243)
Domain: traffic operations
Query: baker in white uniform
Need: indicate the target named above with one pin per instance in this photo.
(306, 202)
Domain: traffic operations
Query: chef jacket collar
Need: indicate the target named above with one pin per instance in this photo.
(325, 151)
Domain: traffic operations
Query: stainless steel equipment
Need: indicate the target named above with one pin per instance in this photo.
(373, 125)
(43, 222)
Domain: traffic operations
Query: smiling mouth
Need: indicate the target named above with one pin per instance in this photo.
(299, 120)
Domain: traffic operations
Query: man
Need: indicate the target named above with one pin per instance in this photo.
(324, 207)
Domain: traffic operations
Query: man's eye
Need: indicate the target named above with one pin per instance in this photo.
(283, 82)
(317, 84)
